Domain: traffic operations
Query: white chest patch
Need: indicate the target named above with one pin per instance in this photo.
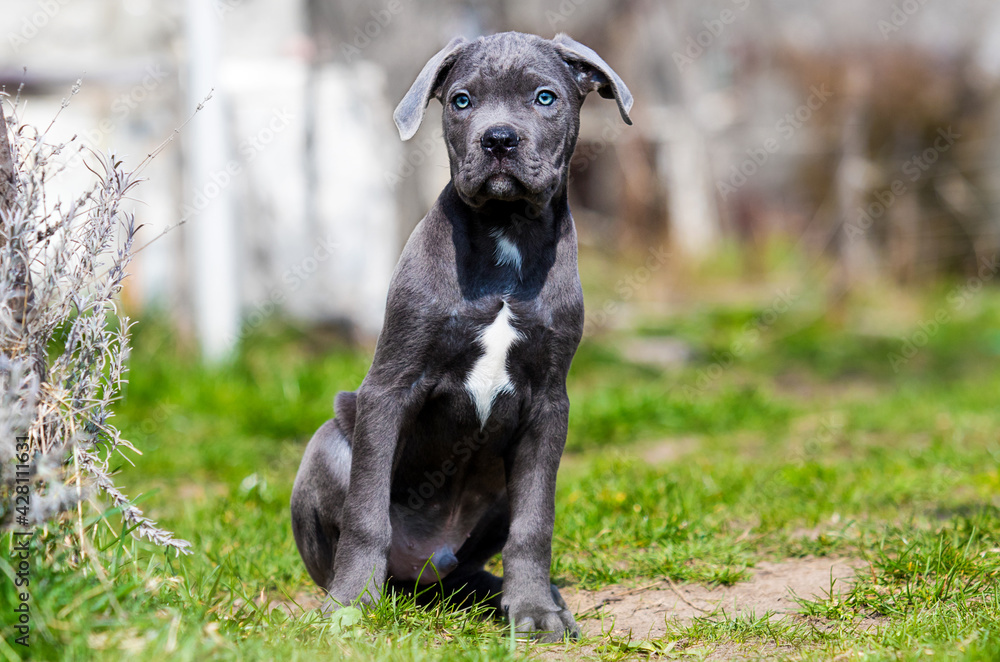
(488, 376)
(506, 251)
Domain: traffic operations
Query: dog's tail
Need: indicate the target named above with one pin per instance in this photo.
(345, 406)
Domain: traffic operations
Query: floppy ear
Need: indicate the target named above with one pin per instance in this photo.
(410, 110)
(593, 73)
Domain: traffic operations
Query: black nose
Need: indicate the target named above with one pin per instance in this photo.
(499, 140)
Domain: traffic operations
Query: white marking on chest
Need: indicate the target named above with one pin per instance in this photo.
(506, 252)
(488, 377)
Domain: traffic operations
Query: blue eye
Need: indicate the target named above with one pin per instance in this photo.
(545, 98)
(461, 101)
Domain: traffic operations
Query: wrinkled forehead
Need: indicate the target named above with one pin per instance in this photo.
(509, 61)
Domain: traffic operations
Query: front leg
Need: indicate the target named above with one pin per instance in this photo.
(359, 569)
(528, 596)
(390, 396)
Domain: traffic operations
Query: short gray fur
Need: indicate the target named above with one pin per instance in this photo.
(447, 453)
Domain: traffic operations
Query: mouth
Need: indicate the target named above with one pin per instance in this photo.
(501, 186)
(482, 179)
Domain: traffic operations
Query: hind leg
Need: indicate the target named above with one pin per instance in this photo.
(318, 498)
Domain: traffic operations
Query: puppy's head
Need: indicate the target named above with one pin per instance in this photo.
(511, 111)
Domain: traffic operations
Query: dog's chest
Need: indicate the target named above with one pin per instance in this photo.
(489, 376)
(488, 343)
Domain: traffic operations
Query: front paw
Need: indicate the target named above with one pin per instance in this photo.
(333, 606)
(351, 594)
(543, 620)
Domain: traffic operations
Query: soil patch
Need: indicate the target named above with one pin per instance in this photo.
(667, 450)
(645, 610)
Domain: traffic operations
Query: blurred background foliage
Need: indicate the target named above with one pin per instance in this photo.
(851, 145)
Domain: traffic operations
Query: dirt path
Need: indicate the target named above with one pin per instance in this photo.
(645, 610)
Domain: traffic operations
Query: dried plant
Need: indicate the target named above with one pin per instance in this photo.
(63, 341)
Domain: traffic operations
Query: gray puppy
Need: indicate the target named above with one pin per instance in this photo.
(447, 454)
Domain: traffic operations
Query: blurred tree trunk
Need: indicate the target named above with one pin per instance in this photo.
(695, 225)
(988, 240)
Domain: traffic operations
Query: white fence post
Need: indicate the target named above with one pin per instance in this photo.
(211, 230)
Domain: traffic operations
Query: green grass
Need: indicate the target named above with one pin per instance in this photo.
(807, 443)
